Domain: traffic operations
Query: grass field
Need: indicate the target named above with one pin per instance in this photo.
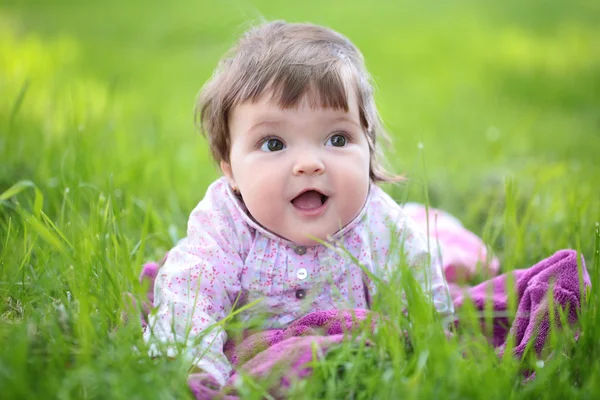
(494, 109)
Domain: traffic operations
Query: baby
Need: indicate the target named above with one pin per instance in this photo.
(291, 120)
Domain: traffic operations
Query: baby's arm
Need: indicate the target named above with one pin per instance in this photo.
(424, 261)
(195, 288)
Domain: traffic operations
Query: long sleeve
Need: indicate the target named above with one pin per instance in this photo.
(195, 289)
(397, 239)
(426, 264)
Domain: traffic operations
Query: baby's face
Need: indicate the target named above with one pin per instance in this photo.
(302, 172)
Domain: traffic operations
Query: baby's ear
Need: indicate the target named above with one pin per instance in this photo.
(226, 169)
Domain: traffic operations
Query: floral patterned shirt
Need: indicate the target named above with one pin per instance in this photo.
(228, 260)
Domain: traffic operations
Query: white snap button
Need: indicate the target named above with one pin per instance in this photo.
(301, 273)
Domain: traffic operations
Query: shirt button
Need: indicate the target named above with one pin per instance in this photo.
(301, 273)
(300, 250)
(300, 294)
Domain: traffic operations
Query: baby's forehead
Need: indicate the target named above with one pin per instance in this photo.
(270, 107)
(253, 126)
(310, 97)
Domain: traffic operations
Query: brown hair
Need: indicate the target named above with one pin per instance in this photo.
(291, 60)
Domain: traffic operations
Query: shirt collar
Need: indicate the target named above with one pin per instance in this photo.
(239, 204)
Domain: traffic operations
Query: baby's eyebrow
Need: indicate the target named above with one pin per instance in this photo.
(265, 124)
(344, 118)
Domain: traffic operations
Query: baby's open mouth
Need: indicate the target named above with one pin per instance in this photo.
(309, 200)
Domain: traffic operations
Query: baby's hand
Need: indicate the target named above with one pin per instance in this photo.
(199, 377)
(195, 370)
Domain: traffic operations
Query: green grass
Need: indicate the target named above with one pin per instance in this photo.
(96, 123)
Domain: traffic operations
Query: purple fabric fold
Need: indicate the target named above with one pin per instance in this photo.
(283, 355)
(560, 272)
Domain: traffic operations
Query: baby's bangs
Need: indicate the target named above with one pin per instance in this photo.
(322, 86)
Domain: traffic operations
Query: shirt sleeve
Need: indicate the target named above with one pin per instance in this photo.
(426, 265)
(197, 287)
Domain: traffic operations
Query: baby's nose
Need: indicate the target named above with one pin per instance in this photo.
(308, 164)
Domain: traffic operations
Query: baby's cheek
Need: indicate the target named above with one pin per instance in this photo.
(266, 211)
(353, 203)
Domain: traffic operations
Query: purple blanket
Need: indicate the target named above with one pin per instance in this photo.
(559, 272)
(283, 354)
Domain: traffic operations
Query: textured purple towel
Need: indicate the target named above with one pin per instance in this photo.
(148, 275)
(559, 272)
(284, 353)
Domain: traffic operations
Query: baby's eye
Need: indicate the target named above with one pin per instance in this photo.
(337, 140)
(272, 145)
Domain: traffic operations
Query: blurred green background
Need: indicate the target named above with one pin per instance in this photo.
(505, 98)
(494, 108)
